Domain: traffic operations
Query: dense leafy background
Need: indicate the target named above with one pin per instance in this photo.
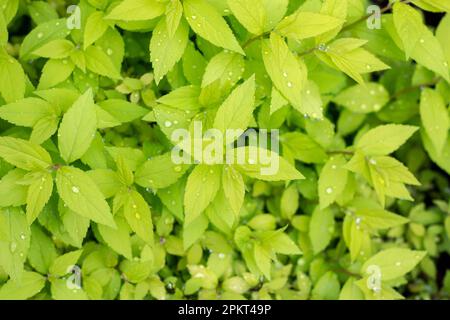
(87, 178)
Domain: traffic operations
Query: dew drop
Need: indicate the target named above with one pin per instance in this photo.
(194, 17)
(368, 67)
(75, 189)
(285, 74)
(40, 35)
(109, 51)
(333, 166)
(167, 124)
(138, 216)
(373, 161)
(289, 84)
(398, 263)
(422, 41)
(323, 47)
(329, 190)
(22, 236)
(221, 255)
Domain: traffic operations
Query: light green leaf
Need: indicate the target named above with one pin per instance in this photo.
(101, 63)
(39, 193)
(435, 118)
(227, 67)
(14, 241)
(82, 195)
(192, 231)
(119, 238)
(61, 291)
(31, 284)
(302, 147)
(64, 263)
(394, 262)
(236, 111)
(384, 139)
(54, 72)
(174, 12)
(286, 72)
(137, 213)
(123, 110)
(77, 129)
(196, 196)
(12, 193)
(56, 49)
(24, 154)
(42, 251)
(159, 172)
(44, 129)
(370, 97)
(321, 229)
(250, 13)
(167, 50)
(302, 25)
(132, 10)
(207, 23)
(332, 180)
(233, 187)
(264, 164)
(12, 78)
(26, 112)
(94, 29)
(418, 41)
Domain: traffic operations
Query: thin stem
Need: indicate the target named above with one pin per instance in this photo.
(251, 40)
(346, 152)
(413, 88)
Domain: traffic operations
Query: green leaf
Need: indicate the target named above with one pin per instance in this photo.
(42, 251)
(236, 111)
(56, 49)
(26, 112)
(302, 25)
(44, 129)
(332, 180)
(207, 23)
(289, 201)
(24, 154)
(118, 238)
(418, 41)
(174, 12)
(54, 72)
(14, 241)
(370, 97)
(196, 196)
(321, 229)
(101, 63)
(94, 29)
(132, 10)
(159, 172)
(12, 78)
(226, 67)
(31, 284)
(264, 164)
(11, 192)
(77, 129)
(107, 181)
(123, 110)
(394, 262)
(61, 291)
(82, 195)
(167, 50)
(250, 13)
(384, 139)
(435, 118)
(301, 147)
(262, 259)
(42, 34)
(286, 72)
(192, 231)
(138, 215)
(39, 193)
(233, 187)
(64, 263)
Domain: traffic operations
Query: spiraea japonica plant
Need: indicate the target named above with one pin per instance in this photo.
(224, 149)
